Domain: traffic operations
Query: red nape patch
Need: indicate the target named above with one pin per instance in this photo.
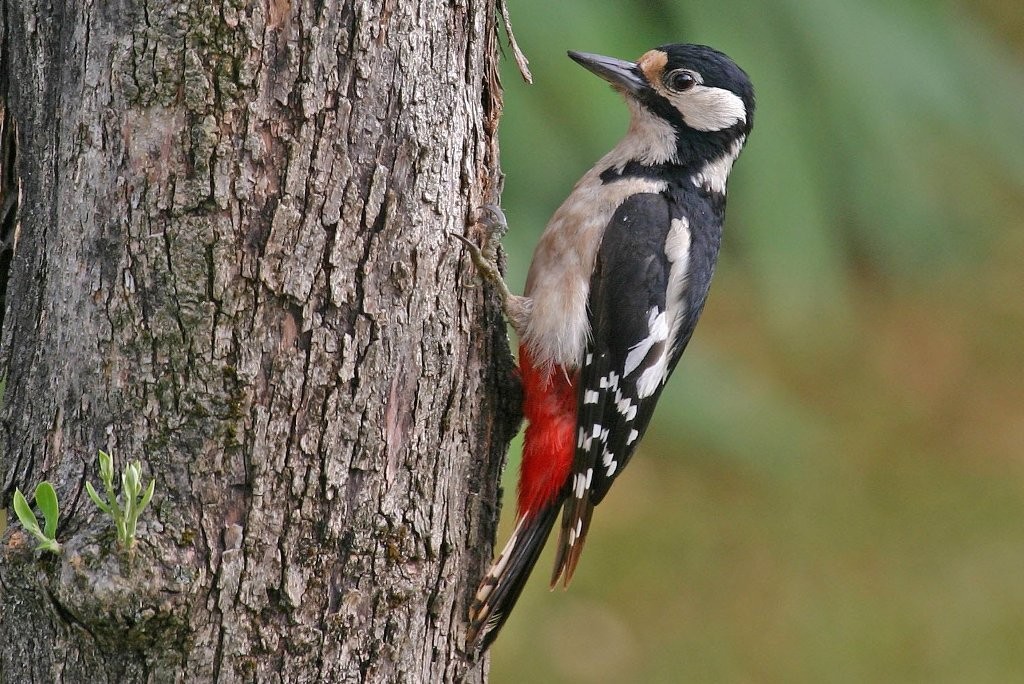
(549, 404)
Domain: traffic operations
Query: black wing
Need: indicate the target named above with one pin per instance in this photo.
(646, 293)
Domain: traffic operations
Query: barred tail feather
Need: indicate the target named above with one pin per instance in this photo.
(500, 588)
(571, 536)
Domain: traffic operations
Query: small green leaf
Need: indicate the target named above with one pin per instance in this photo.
(106, 468)
(46, 499)
(147, 496)
(124, 507)
(130, 483)
(31, 524)
(100, 503)
(25, 514)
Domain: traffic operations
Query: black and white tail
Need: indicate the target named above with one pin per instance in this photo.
(504, 581)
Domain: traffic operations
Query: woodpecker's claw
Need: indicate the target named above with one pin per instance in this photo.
(492, 219)
(487, 268)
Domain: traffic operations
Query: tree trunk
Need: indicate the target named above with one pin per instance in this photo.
(232, 264)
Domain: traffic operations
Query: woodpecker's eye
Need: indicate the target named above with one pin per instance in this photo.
(680, 80)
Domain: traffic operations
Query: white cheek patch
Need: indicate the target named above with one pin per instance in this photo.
(710, 109)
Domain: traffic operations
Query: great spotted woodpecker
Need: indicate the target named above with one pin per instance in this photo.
(617, 283)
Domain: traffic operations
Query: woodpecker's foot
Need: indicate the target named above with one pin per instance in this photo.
(488, 268)
(485, 257)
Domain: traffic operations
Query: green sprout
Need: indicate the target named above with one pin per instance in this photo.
(46, 499)
(135, 499)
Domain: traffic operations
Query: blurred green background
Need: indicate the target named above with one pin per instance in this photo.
(833, 486)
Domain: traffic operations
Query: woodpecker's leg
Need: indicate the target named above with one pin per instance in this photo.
(485, 258)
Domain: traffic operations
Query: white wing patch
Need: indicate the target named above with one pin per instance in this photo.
(677, 248)
(657, 331)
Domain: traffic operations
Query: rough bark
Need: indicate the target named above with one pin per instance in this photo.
(232, 265)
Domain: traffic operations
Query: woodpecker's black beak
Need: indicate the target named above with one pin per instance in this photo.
(623, 75)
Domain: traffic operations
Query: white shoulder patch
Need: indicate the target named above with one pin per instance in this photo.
(657, 331)
(677, 242)
(677, 248)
